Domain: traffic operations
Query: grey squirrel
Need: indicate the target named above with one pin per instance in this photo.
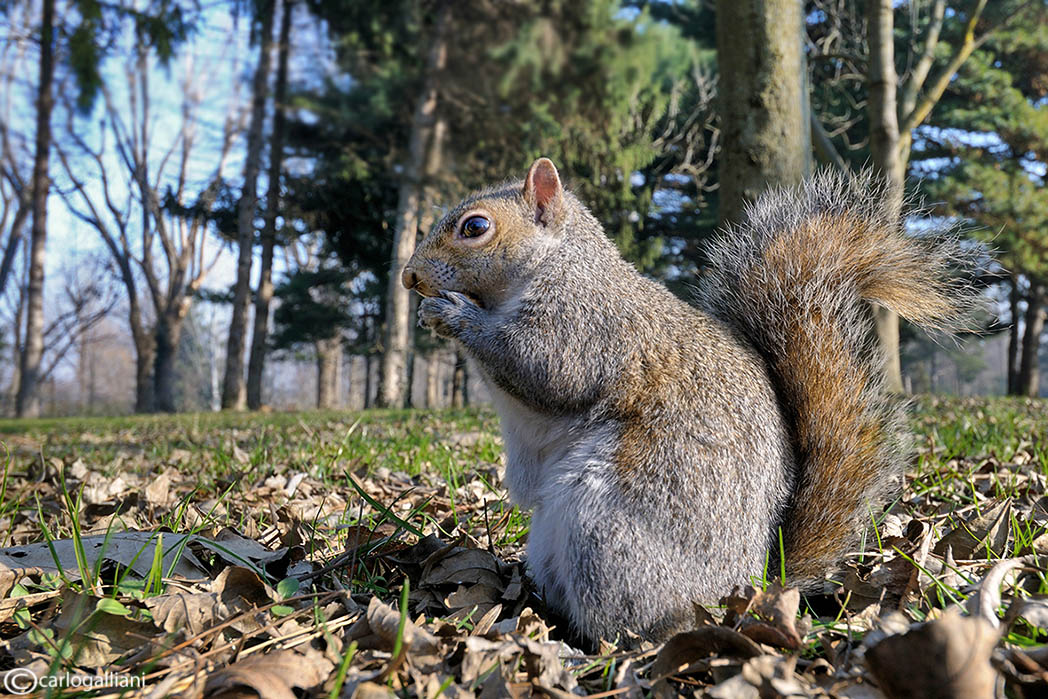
(662, 446)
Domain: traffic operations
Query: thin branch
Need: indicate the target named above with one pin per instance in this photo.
(912, 86)
(825, 151)
(916, 116)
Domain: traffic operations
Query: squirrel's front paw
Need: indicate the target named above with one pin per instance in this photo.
(449, 314)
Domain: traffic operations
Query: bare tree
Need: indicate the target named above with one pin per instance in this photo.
(233, 393)
(28, 403)
(15, 199)
(85, 300)
(264, 295)
(165, 263)
(14, 211)
(764, 99)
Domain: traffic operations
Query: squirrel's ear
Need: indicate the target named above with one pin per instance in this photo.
(542, 190)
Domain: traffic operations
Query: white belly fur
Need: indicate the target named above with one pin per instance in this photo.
(562, 474)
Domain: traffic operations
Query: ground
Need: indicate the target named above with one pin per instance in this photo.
(363, 554)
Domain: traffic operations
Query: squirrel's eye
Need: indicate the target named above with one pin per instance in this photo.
(475, 226)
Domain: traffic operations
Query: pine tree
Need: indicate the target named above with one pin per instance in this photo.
(991, 130)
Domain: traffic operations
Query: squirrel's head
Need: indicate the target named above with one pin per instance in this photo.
(492, 241)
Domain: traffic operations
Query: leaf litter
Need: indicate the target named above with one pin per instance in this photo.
(377, 555)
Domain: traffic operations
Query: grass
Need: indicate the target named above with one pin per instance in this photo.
(354, 494)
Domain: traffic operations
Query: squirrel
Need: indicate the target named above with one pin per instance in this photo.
(668, 450)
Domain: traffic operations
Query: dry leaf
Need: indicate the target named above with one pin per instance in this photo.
(379, 626)
(947, 657)
(98, 638)
(776, 608)
(129, 549)
(272, 676)
(986, 599)
(990, 529)
(684, 649)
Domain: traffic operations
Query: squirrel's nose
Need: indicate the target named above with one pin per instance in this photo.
(408, 278)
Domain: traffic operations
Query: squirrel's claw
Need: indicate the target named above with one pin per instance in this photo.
(458, 298)
(446, 314)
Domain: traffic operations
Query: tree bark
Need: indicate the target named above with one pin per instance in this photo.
(398, 302)
(27, 403)
(168, 333)
(145, 357)
(14, 240)
(264, 295)
(409, 370)
(329, 363)
(433, 380)
(1013, 338)
(233, 394)
(1029, 371)
(886, 157)
(367, 380)
(763, 100)
(460, 382)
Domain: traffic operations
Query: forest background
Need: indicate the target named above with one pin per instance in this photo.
(201, 203)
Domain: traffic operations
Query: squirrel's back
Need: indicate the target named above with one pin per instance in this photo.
(795, 278)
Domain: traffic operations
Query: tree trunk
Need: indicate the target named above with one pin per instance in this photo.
(17, 326)
(433, 380)
(92, 384)
(256, 365)
(233, 384)
(763, 99)
(398, 300)
(885, 149)
(27, 403)
(367, 380)
(1029, 371)
(460, 382)
(329, 361)
(354, 394)
(409, 374)
(168, 332)
(1013, 339)
(409, 379)
(14, 240)
(145, 357)
(83, 361)
(213, 345)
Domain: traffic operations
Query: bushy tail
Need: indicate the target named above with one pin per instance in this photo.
(794, 278)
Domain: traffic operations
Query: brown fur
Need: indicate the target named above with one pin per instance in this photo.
(794, 281)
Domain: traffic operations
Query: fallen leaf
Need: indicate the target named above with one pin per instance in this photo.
(98, 638)
(986, 599)
(129, 549)
(776, 608)
(272, 676)
(379, 626)
(684, 649)
(947, 657)
(992, 529)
